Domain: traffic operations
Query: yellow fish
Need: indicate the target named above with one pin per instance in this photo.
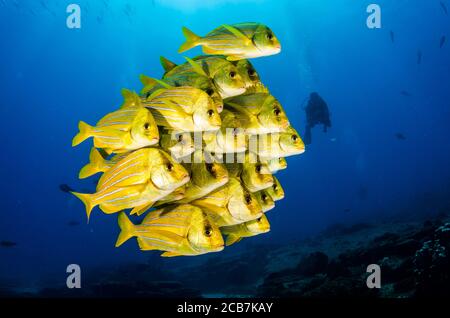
(99, 164)
(235, 233)
(276, 191)
(282, 144)
(265, 200)
(137, 181)
(276, 164)
(177, 230)
(254, 174)
(186, 109)
(186, 79)
(230, 204)
(244, 68)
(177, 144)
(225, 140)
(248, 73)
(205, 176)
(237, 41)
(257, 113)
(123, 130)
(223, 74)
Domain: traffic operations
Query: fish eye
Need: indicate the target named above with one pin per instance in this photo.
(208, 231)
(258, 219)
(294, 138)
(248, 198)
(180, 138)
(232, 74)
(269, 36)
(264, 197)
(277, 111)
(169, 166)
(146, 126)
(210, 167)
(280, 160)
(251, 72)
(210, 91)
(275, 187)
(210, 112)
(258, 168)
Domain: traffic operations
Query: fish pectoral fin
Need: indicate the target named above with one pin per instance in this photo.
(170, 254)
(231, 239)
(238, 34)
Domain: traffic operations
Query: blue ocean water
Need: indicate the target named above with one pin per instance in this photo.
(52, 76)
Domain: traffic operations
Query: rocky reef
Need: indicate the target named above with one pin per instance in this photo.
(414, 258)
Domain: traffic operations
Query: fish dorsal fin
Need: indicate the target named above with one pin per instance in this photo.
(166, 64)
(197, 68)
(130, 99)
(257, 88)
(237, 33)
(146, 80)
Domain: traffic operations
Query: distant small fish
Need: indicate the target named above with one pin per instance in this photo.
(442, 42)
(392, 36)
(73, 223)
(333, 139)
(65, 188)
(7, 244)
(400, 136)
(444, 7)
(419, 57)
(405, 93)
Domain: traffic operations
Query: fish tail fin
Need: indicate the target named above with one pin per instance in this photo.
(96, 164)
(85, 131)
(167, 64)
(130, 98)
(127, 229)
(191, 40)
(87, 199)
(231, 239)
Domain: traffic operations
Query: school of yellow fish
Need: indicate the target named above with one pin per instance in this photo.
(195, 190)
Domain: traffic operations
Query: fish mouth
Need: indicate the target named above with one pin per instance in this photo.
(185, 179)
(218, 248)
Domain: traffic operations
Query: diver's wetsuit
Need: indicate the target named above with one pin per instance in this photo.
(316, 113)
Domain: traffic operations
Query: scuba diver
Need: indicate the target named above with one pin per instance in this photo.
(316, 113)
